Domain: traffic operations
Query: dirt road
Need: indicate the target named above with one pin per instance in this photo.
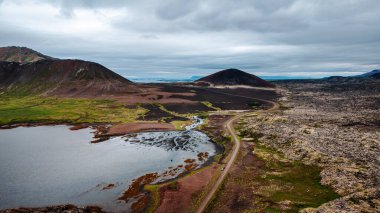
(230, 128)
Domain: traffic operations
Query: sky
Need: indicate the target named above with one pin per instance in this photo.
(179, 39)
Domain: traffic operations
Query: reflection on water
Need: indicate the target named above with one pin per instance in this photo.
(51, 165)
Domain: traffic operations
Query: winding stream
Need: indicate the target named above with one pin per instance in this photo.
(52, 165)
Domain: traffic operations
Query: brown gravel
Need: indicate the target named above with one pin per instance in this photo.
(180, 200)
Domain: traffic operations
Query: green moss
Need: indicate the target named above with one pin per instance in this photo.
(173, 185)
(209, 105)
(285, 180)
(200, 114)
(180, 125)
(278, 184)
(155, 197)
(162, 107)
(218, 157)
(214, 201)
(15, 109)
(271, 209)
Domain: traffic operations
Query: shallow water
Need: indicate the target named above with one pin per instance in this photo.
(52, 165)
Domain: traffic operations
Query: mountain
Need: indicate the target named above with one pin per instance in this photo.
(368, 74)
(69, 78)
(376, 75)
(21, 55)
(234, 77)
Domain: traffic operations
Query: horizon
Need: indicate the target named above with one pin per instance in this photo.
(183, 39)
(167, 79)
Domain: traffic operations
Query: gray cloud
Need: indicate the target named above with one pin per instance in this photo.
(184, 38)
(176, 9)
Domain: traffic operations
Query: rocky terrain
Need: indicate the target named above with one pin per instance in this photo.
(334, 124)
(233, 77)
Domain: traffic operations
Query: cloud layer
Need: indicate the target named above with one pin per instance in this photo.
(185, 38)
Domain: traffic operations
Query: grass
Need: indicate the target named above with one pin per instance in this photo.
(293, 181)
(15, 109)
(198, 197)
(155, 197)
(277, 185)
(214, 199)
(154, 190)
(205, 122)
(186, 115)
(180, 125)
(209, 105)
(162, 107)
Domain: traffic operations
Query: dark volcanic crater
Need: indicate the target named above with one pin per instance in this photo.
(235, 77)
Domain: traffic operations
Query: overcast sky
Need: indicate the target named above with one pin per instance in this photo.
(190, 37)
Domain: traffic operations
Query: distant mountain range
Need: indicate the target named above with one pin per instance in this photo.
(194, 78)
(373, 73)
(234, 77)
(25, 71)
(163, 79)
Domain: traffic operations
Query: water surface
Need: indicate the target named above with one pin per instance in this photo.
(52, 165)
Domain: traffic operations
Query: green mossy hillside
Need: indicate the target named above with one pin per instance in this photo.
(31, 109)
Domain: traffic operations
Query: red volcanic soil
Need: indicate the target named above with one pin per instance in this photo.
(134, 191)
(122, 129)
(179, 199)
(235, 77)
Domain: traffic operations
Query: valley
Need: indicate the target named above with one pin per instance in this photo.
(228, 142)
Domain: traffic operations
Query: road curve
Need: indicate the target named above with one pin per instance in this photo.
(212, 191)
(229, 127)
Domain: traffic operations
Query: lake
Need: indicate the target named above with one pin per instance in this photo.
(53, 165)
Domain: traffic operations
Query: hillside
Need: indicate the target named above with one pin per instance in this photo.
(21, 55)
(234, 77)
(376, 75)
(68, 78)
(367, 74)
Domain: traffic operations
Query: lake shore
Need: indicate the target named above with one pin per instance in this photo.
(171, 173)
